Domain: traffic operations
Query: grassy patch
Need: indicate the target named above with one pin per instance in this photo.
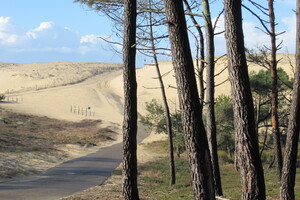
(154, 179)
(158, 146)
(19, 132)
(230, 181)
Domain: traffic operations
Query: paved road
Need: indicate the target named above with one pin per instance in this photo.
(68, 178)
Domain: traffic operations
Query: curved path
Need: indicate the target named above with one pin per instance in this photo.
(81, 173)
(69, 177)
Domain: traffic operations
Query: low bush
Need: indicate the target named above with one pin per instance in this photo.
(2, 97)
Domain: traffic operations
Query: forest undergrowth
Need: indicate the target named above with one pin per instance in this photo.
(154, 179)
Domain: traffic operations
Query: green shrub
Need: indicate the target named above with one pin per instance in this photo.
(179, 143)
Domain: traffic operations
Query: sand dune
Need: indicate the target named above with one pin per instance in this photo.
(75, 91)
(69, 91)
(148, 85)
(36, 76)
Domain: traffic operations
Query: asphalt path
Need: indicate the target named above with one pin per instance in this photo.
(69, 177)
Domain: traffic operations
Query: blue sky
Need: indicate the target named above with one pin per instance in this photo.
(52, 30)
(60, 30)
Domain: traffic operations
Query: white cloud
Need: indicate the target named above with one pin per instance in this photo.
(93, 39)
(5, 23)
(253, 36)
(8, 32)
(49, 34)
(8, 39)
(48, 42)
(44, 26)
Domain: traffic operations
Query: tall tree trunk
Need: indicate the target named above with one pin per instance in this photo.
(274, 93)
(195, 136)
(246, 141)
(200, 68)
(130, 189)
(289, 167)
(210, 96)
(166, 106)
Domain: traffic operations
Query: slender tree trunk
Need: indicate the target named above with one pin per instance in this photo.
(200, 71)
(166, 106)
(195, 136)
(274, 93)
(200, 68)
(289, 167)
(210, 96)
(247, 152)
(257, 115)
(130, 189)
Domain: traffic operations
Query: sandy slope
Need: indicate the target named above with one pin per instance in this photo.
(58, 89)
(148, 85)
(81, 90)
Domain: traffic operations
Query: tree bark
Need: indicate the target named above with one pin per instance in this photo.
(200, 68)
(289, 167)
(210, 96)
(274, 93)
(195, 136)
(129, 188)
(166, 106)
(247, 152)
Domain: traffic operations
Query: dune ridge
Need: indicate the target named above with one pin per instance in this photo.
(51, 89)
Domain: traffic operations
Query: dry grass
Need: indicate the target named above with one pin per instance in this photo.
(31, 144)
(19, 132)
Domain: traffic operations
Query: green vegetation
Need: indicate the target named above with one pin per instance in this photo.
(155, 120)
(154, 175)
(154, 182)
(261, 86)
(261, 81)
(224, 123)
